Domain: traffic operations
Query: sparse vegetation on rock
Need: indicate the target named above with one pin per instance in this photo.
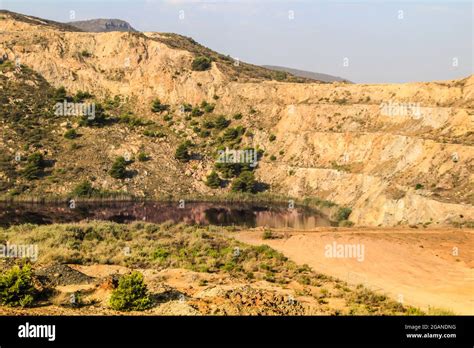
(158, 107)
(201, 63)
(34, 167)
(182, 152)
(245, 182)
(71, 134)
(213, 180)
(119, 168)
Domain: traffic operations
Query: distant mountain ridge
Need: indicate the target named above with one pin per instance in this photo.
(102, 25)
(307, 74)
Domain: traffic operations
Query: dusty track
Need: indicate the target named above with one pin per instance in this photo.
(416, 266)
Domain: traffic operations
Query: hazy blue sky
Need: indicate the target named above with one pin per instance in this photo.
(380, 46)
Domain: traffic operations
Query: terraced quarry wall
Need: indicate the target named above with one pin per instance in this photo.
(331, 140)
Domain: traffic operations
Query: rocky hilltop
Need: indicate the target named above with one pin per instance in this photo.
(102, 25)
(393, 153)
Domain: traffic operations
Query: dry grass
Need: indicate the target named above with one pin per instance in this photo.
(202, 249)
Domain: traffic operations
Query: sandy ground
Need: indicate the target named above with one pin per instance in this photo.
(420, 267)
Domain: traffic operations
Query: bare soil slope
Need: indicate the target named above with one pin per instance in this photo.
(415, 266)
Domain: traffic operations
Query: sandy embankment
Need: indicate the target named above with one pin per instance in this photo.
(418, 266)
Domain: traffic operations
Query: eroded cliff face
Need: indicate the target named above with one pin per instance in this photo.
(334, 141)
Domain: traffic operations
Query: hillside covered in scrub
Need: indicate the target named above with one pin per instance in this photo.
(108, 268)
(164, 106)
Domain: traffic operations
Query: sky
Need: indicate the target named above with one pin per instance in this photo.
(362, 41)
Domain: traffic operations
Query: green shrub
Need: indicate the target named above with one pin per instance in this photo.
(208, 124)
(143, 157)
(34, 167)
(213, 180)
(245, 182)
(131, 294)
(182, 152)
(201, 63)
(86, 54)
(204, 134)
(187, 107)
(16, 287)
(157, 107)
(418, 186)
(222, 122)
(153, 134)
(237, 116)
(267, 234)
(60, 94)
(280, 75)
(232, 133)
(161, 254)
(196, 112)
(273, 158)
(80, 96)
(208, 108)
(343, 213)
(84, 189)
(272, 137)
(71, 134)
(119, 168)
(99, 119)
(130, 120)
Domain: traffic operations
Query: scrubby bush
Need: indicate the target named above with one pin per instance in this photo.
(153, 134)
(222, 122)
(244, 183)
(237, 116)
(182, 152)
(208, 124)
(119, 168)
(272, 137)
(132, 121)
(186, 107)
(60, 94)
(84, 189)
(81, 95)
(267, 234)
(158, 107)
(233, 133)
(204, 134)
(143, 157)
(98, 120)
(86, 54)
(131, 294)
(213, 180)
(343, 213)
(16, 287)
(196, 112)
(280, 75)
(71, 134)
(201, 63)
(208, 108)
(34, 167)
